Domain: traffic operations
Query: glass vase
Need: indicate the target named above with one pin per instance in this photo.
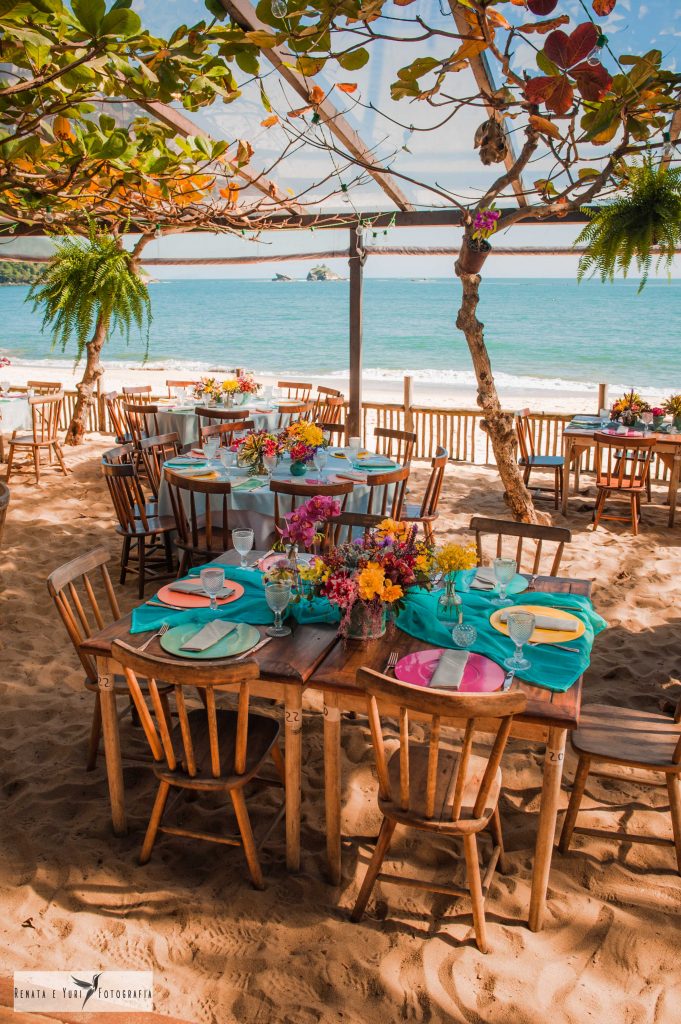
(449, 602)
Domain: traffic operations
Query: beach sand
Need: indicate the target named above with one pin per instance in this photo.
(74, 897)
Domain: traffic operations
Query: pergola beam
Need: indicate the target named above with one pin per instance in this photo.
(244, 14)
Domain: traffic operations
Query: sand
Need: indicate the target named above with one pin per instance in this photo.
(74, 897)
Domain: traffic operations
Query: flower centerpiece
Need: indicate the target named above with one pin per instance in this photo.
(301, 528)
(475, 250)
(247, 386)
(450, 559)
(227, 390)
(628, 408)
(252, 449)
(301, 440)
(205, 389)
(658, 416)
(672, 405)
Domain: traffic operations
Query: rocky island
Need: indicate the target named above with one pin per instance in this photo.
(324, 273)
(19, 273)
(281, 277)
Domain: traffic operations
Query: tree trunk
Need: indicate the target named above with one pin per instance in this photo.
(497, 423)
(88, 385)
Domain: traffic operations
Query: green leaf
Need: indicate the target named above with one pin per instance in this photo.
(215, 8)
(588, 172)
(546, 65)
(203, 145)
(121, 23)
(247, 60)
(310, 66)
(354, 60)
(402, 90)
(89, 13)
(263, 40)
(264, 99)
(418, 68)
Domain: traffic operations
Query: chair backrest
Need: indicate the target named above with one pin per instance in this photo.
(4, 505)
(395, 444)
(335, 432)
(116, 456)
(226, 431)
(73, 587)
(431, 495)
(155, 451)
(387, 492)
(519, 533)
(523, 429)
(44, 387)
(45, 416)
(322, 403)
(114, 407)
(210, 514)
(624, 461)
(140, 393)
(170, 384)
(205, 676)
(142, 420)
(291, 413)
(127, 495)
(345, 526)
(288, 496)
(490, 712)
(207, 416)
(295, 389)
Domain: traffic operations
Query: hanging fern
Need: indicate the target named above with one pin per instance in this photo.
(648, 214)
(86, 278)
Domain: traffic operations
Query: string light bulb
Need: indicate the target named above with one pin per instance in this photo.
(668, 148)
(279, 8)
(49, 216)
(594, 57)
(158, 233)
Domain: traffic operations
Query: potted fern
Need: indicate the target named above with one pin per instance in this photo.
(644, 220)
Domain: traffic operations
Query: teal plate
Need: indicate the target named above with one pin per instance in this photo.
(186, 463)
(517, 585)
(239, 640)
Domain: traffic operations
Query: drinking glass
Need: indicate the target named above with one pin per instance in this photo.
(5, 385)
(354, 444)
(227, 458)
(210, 448)
(179, 395)
(270, 464)
(243, 542)
(212, 581)
(647, 418)
(464, 635)
(276, 392)
(320, 457)
(520, 629)
(278, 596)
(504, 571)
(267, 394)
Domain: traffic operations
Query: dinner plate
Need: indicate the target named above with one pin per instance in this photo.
(197, 600)
(185, 463)
(481, 674)
(543, 636)
(517, 585)
(268, 561)
(238, 641)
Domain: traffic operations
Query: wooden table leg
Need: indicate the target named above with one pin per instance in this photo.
(548, 813)
(293, 728)
(332, 785)
(674, 486)
(569, 445)
(112, 745)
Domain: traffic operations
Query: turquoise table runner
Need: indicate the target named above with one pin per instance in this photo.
(251, 607)
(551, 668)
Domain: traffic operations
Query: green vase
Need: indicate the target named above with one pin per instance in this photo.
(657, 422)
(298, 468)
(677, 424)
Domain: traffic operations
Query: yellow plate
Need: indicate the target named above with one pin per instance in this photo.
(544, 636)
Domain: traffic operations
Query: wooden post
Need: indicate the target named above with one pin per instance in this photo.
(408, 403)
(602, 396)
(356, 263)
(101, 413)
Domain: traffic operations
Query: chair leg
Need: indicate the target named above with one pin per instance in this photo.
(279, 764)
(470, 846)
(600, 504)
(380, 851)
(154, 821)
(141, 566)
(36, 463)
(184, 566)
(582, 774)
(10, 460)
(250, 851)
(95, 734)
(674, 790)
(498, 837)
(167, 543)
(125, 558)
(634, 515)
(165, 704)
(60, 457)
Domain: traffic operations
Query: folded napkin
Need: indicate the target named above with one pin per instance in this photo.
(449, 671)
(195, 587)
(374, 462)
(549, 622)
(484, 579)
(249, 484)
(183, 461)
(354, 475)
(209, 635)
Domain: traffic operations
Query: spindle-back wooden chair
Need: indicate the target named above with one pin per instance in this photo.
(155, 451)
(426, 513)
(150, 533)
(296, 390)
(114, 407)
(387, 492)
(292, 412)
(139, 394)
(74, 589)
(210, 750)
(323, 408)
(171, 384)
(45, 417)
(395, 444)
(335, 431)
(622, 470)
(225, 431)
(432, 789)
(208, 417)
(346, 526)
(529, 460)
(521, 532)
(289, 495)
(201, 515)
(142, 421)
(44, 387)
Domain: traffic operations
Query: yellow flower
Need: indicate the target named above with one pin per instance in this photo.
(308, 433)
(453, 557)
(392, 530)
(423, 562)
(391, 592)
(371, 581)
(229, 386)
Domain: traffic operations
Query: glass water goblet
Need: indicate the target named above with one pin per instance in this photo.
(243, 542)
(504, 571)
(212, 581)
(647, 418)
(270, 464)
(210, 448)
(520, 629)
(319, 459)
(464, 635)
(278, 596)
(227, 458)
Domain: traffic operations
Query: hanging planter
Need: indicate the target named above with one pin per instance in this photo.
(473, 254)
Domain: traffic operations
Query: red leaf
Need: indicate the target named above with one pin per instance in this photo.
(542, 7)
(560, 97)
(604, 7)
(556, 48)
(593, 81)
(537, 89)
(565, 51)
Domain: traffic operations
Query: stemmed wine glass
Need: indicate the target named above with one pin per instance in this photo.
(227, 457)
(212, 581)
(210, 448)
(278, 596)
(243, 542)
(520, 629)
(647, 418)
(320, 458)
(270, 464)
(504, 571)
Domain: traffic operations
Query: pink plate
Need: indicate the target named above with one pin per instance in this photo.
(198, 600)
(481, 675)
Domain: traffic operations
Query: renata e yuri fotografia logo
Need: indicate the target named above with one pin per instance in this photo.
(88, 991)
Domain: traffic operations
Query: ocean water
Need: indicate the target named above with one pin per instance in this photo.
(547, 333)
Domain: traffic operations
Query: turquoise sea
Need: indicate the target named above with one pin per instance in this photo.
(552, 331)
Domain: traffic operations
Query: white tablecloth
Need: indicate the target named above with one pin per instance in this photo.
(15, 414)
(182, 420)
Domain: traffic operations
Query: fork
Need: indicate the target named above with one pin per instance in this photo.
(557, 647)
(531, 585)
(393, 658)
(159, 633)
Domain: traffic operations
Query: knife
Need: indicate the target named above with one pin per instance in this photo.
(508, 679)
(253, 650)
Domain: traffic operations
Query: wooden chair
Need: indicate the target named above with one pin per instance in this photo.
(426, 513)
(151, 533)
(45, 417)
(622, 470)
(170, 384)
(296, 390)
(114, 408)
(530, 461)
(438, 790)
(73, 588)
(520, 532)
(154, 452)
(225, 431)
(386, 492)
(642, 740)
(139, 394)
(4, 505)
(142, 421)
(395, 444)
(211, 751)
(335, 431)
(208, 417)
(345, 526)
(323, 410)
(44, 387)
(116, 456)
(202, 532)
(291, 413)
(288, 496)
